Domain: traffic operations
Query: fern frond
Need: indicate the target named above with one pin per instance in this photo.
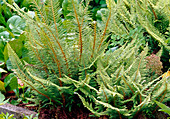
(17, 64)
(88, 106)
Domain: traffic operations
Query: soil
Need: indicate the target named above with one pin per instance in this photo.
(62, 113)
(81, 113)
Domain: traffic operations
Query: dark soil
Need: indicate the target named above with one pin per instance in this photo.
(62, 113)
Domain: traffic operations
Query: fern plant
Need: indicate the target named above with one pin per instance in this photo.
(124, 88)
(68, 57)
(150, 14)
(152, 19)
(52, 53)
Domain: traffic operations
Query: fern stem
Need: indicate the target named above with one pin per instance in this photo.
(30, 80)
(138, 110)
(142, 55)
(94, 41)
(84, 12)
(128, 84)
(153, 11)
(160, 102)
(36, 54)
(105, 95)
(119, 115)
(58, 65)
(53, 34)
(51, 47)
(80, 30)
(140, 98)
(107, 23)
(63, 97)
(39, 11)
(124, 94)
(58, 35)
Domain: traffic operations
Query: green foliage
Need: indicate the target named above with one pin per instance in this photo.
(6, 116)
(6, 12)
(30, 117)
(163, 107)
(69, 57)
(10, 83)
(11, 28)
(2, 99)
(119, 40)
(151, 17)
(124, 87)
(14, 28)
(95, 6)
(129, 14)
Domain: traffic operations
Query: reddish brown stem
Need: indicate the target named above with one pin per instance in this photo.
(107, 23)
(80, 31)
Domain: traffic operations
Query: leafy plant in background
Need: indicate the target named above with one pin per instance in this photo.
(59, 69)
(8, 116)
(11, 25)
(10, 83)
(11, 29)
(2, 99)
(8, 79)
(6, 12)
(13, 35)
(23, 93)
(116, 41)
(95, 6)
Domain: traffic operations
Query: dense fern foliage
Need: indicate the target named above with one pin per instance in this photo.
(58, 48)
(153, 15)
(69, 58)
(124, 88)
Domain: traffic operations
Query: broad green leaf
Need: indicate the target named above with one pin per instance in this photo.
(2, 88)
(16, 45)
(2, 99)
(166, 111)
(16, 24)
(1, 56)
(4, 35)
(10, 82)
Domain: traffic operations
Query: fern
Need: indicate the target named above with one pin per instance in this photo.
(152, 16)
(69, 57)
(118, 87)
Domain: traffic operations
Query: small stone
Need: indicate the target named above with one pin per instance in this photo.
(18, 112)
